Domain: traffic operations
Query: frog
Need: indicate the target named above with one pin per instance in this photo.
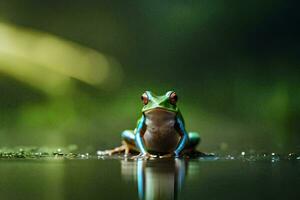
(160, 130)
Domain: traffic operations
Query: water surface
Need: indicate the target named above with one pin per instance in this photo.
(97, 178)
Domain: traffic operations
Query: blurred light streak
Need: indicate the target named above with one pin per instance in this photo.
(48, 62)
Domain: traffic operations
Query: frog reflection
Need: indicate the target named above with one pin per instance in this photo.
(156, 179)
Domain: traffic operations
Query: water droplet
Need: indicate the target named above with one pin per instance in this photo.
(101, 153)
(292, 156)
(275, 157)
(229, 157)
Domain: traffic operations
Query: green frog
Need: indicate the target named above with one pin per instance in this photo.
(160, 131)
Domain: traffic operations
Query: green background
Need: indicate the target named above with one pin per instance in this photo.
(233, 64)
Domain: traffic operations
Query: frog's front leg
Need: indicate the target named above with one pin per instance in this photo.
(183, 134)
(140, 131)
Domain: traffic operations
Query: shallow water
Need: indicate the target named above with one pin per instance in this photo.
(224, 177)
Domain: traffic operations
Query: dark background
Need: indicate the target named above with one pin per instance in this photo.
(234, 65)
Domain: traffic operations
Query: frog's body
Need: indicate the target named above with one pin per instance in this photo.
(160, 135)
(160, 130)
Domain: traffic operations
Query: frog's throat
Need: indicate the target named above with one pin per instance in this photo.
(162, 109)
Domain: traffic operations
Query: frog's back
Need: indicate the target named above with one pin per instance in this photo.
(160, 135)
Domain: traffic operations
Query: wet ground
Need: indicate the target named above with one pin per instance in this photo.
(58, 175)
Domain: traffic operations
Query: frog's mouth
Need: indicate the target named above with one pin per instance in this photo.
(160, 116)
(159, 110)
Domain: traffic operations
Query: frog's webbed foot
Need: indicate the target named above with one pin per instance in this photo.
(123, 148)
(117, 150)
(144, 156)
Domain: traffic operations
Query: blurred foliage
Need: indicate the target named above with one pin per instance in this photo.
(234, 65)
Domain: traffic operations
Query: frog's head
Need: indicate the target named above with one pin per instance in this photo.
(165, 102)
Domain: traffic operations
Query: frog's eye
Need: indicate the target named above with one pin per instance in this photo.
(145, 98)
(173, 98)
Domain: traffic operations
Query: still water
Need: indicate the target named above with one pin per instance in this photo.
(57, 179)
